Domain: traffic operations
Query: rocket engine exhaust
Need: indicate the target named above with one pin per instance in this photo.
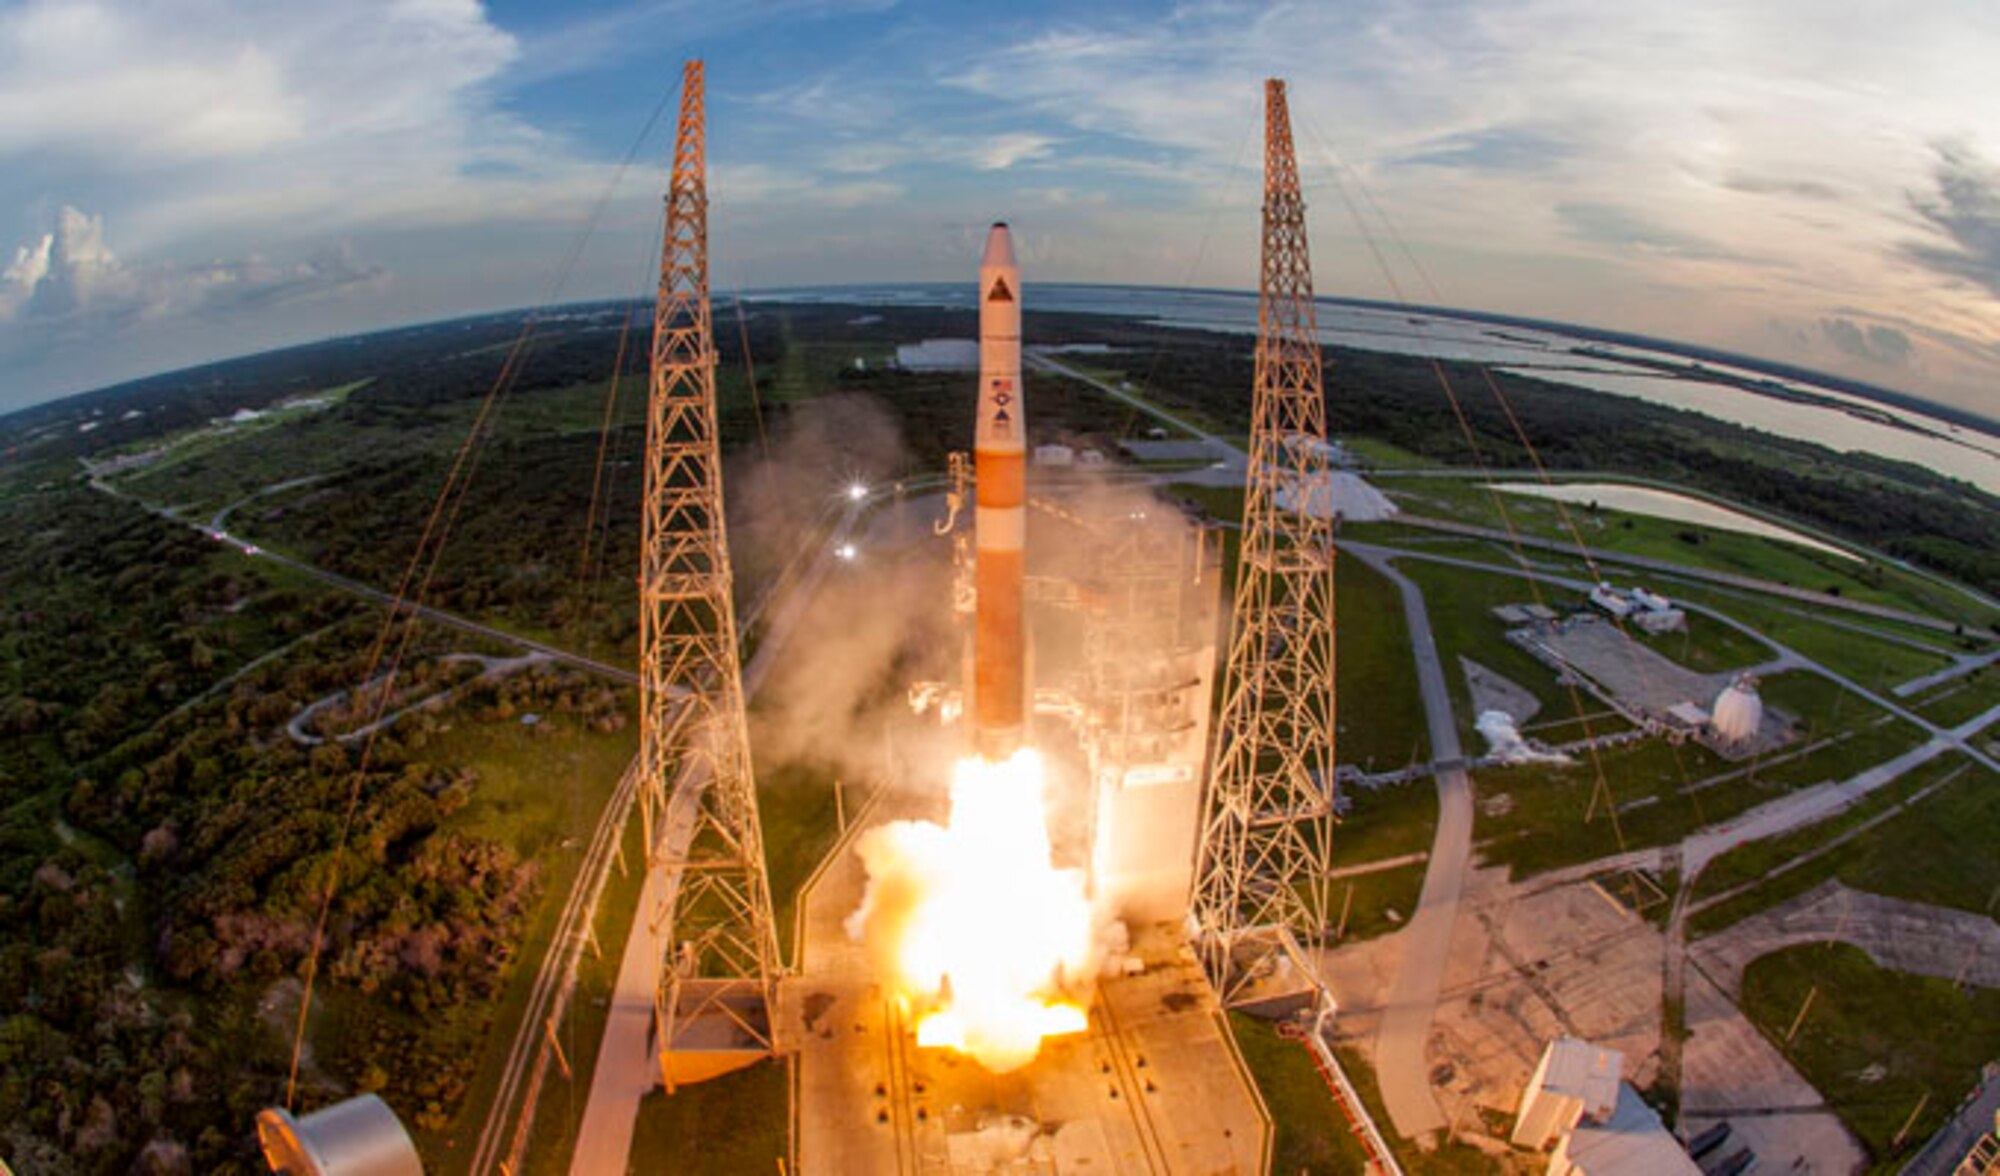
(999, 683)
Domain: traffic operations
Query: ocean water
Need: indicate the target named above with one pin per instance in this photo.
(1846, 424)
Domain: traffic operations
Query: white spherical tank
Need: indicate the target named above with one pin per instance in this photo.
(1738, 712)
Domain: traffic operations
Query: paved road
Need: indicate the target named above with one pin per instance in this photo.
(1400, 1064)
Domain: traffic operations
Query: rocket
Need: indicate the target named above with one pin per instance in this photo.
(1000, 522)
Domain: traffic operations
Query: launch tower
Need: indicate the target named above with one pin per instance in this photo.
(713, 1011)
(1261, 874)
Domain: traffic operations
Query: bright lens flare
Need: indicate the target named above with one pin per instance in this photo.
(973, 922)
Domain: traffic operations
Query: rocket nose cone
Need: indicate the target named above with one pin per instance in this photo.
(999, 247)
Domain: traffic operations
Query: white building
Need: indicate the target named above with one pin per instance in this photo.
(1574, 1080)
(1630, 1142)
(1599, 1125)
(1650, 611)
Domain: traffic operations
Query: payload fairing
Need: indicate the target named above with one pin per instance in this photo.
(1000, 453)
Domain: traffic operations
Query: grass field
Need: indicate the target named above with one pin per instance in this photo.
(1381, 711)
(1547, 821)
(1449, 1159)
(1663, 792)
(1938, 851)
(1706, 645)
(1374, 896)
(1311, 1134)
(797, 805)
(735, 1125)
(1849, 647)
(1461, 603)
(1648, 537)
(1875, 1043)
(1962, 699)
(1761, 859)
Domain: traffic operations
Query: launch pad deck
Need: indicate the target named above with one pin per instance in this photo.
(1153, 1086)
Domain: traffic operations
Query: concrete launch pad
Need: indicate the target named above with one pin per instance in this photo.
(1154, 1086)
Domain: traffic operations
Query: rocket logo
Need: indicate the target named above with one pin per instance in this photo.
(1000, 292)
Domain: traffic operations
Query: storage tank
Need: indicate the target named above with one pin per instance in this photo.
(359, 1137)
(1738, 712)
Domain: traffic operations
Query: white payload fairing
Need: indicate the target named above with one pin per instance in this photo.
(1000, 461)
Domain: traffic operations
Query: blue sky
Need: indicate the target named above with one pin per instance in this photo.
(1815, 182)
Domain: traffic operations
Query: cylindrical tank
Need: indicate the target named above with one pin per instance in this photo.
(1738, 712)
(359, 1137)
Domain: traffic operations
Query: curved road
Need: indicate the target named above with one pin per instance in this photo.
(1400, 1066)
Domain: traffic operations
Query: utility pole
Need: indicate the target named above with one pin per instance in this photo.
(1262, 872)
(722, 954)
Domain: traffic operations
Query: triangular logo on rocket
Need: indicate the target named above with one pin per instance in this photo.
(1000, 292)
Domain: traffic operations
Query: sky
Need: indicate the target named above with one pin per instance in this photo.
(1810, 181)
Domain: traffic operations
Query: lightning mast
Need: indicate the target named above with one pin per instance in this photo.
(1261, 874)
(713, 1010)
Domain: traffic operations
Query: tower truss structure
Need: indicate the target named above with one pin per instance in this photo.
(700, 798)
(1262, 873)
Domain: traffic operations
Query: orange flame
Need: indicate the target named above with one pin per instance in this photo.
(974, 923)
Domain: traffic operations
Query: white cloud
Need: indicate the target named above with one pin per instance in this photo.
(1684, 170)
(1004, 151)
(69, 286)
(203, 120)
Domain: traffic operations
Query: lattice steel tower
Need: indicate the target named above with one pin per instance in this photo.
(716, 993)
(1261, 882)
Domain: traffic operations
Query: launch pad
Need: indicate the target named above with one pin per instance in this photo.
(1155, 1085)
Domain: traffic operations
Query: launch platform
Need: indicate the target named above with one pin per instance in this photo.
(1154, 1086)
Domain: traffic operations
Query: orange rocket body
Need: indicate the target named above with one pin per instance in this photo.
(1000, 523)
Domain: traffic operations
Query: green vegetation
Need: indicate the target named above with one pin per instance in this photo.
(727, 1126)
(1461, 604)
(1849, 647)
(1874, 1042)
(1537, 817)
(1961, 700)
(164, 846)
(796, 804)
(1706, 645)
(1381, 710)
(1643, 536)
(1938, 850)
(1312, 1136)
(1758, 860)
(1448, 1159)
(560, 1112)
(1374, 895)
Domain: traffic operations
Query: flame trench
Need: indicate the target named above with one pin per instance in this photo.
(972, 923)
